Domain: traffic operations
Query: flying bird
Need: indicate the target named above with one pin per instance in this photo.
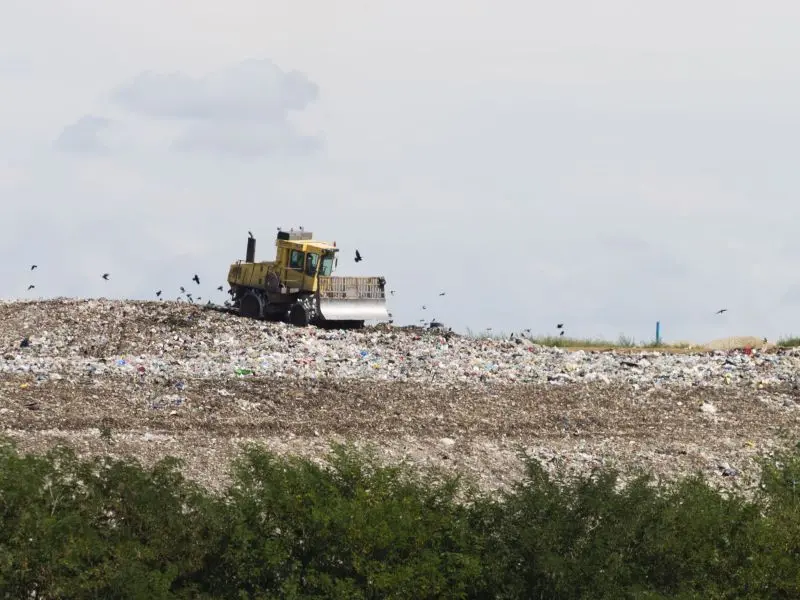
(33, 267)
(158, 293)
(31, 286)
(441, 293)
(183, 290)
(424, 307)
(105, 276)
(562, 333)
(220, 288)
(560, 326)
(196, 278)
(358, 256)
(391, 292)
(721, 310)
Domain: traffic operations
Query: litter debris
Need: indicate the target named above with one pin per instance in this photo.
(159, 339)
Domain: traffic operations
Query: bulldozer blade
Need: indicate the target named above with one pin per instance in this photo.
(353, 309)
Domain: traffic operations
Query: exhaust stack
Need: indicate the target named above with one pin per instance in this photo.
(251, 250)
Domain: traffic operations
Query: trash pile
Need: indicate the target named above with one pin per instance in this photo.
(65, 337)
(164, 378)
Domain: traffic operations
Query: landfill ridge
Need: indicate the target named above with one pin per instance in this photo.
(151, 379)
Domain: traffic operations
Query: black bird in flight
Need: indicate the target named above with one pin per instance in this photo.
(391, 292)
(560, 325)
(562, 333)
(31, 286)
(158, 293)
(721, 310)
(196, 278)
(424, 307)
(220, 288)
(358, 256)
(33, 267)
(183, 290)
(441, 293)
(105, 276)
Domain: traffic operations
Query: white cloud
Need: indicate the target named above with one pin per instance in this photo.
(83, 136)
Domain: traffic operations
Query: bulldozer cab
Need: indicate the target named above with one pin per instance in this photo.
(303, 263)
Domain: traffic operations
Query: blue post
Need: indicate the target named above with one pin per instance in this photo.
(658, 332)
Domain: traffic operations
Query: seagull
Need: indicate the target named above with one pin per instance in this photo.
(31, 286)
(33, 267)
(105, 276)
(358, 256)
(721, 310)
(196, 278)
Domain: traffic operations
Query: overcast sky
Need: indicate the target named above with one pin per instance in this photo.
(602, 164)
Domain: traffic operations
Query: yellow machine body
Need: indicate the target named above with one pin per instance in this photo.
(299, 285)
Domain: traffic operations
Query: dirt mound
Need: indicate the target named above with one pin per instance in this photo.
(738, 342)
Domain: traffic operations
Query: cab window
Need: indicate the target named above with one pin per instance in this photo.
(311, 263)
(327, 265)
(296, 260)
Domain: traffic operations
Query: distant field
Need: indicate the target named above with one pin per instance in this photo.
(625, 343)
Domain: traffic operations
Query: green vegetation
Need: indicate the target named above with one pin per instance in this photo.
(569, 342)
(789, 342)
(289, 528)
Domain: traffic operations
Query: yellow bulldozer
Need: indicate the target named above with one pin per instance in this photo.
(299, 286)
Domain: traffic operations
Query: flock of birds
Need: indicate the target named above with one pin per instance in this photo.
(189, 297)
(358, 258)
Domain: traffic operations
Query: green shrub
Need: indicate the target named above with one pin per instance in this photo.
(352, 528)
